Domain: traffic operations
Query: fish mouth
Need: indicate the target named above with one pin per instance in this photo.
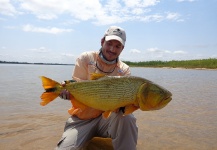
(163, 102)
(168, 98)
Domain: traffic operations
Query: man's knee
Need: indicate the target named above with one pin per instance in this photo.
(126, 131)
(128, 119)
(123, 124)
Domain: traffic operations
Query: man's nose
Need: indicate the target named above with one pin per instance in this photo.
(112, 48)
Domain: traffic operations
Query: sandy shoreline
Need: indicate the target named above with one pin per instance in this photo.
(176, 68)
(35, 132)
(42, 132)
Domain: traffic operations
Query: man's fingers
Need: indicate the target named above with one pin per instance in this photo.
(63, 83)
(64, 94)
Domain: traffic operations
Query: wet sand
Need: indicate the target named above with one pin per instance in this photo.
(35, 132)
(42, 132)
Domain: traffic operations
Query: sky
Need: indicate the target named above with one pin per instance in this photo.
(58, 31)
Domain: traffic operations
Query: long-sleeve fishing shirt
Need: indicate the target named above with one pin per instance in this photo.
(90, 62)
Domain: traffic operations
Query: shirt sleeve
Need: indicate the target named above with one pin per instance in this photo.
(80, 71)
(125, 69)
(127, 72)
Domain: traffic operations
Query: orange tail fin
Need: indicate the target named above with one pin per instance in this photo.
(49, 85)
(47, 97)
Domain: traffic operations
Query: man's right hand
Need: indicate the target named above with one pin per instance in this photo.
(64, 94)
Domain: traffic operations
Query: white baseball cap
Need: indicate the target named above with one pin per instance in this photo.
(115, 33)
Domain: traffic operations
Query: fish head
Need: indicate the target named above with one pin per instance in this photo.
(153, 97)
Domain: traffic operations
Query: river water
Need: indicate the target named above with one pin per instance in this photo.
(189, 121)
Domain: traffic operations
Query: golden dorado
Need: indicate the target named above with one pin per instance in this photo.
(108, 93)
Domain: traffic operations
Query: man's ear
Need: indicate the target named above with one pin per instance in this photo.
(123, 48)
(102, 41)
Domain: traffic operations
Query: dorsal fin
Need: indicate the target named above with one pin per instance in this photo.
(95, 76)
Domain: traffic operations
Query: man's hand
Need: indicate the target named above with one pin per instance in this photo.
(64, 94)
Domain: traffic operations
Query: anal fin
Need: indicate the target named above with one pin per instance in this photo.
(106, 114)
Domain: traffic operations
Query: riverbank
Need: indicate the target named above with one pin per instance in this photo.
(184, 68)
(184, 64)
(177, 68)
(200, 64)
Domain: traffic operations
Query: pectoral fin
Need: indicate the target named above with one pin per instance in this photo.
(129, 109)
(73, 111)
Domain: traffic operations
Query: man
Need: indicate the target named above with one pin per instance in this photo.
(83, 126)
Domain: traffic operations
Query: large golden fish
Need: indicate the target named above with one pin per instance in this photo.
(108, 93)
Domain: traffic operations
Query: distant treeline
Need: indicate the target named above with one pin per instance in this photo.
(201, 63)
(14, 62)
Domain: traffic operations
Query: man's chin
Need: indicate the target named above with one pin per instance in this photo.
(110, 57)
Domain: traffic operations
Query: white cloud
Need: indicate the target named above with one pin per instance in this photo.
(186, 0)
(149, 18)
(180, 52)
(40, 50)
(172, 16)
(81, 9)
(97, 11)
(47, 16)
(140, 3)
(161, 54)
(51, 30)
(137, 11)
(156, 50)
(68, 55)
(135, 51)
(6, 8)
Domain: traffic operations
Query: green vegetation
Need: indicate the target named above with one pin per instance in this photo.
(210, 63)
(201, 63)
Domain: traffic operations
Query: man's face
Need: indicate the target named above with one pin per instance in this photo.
(111, 49)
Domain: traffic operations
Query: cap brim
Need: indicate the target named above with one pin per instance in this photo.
(114, 37)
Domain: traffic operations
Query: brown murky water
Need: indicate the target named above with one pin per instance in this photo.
(188, 122)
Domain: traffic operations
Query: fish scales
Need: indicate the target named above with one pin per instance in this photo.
(110, 93)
